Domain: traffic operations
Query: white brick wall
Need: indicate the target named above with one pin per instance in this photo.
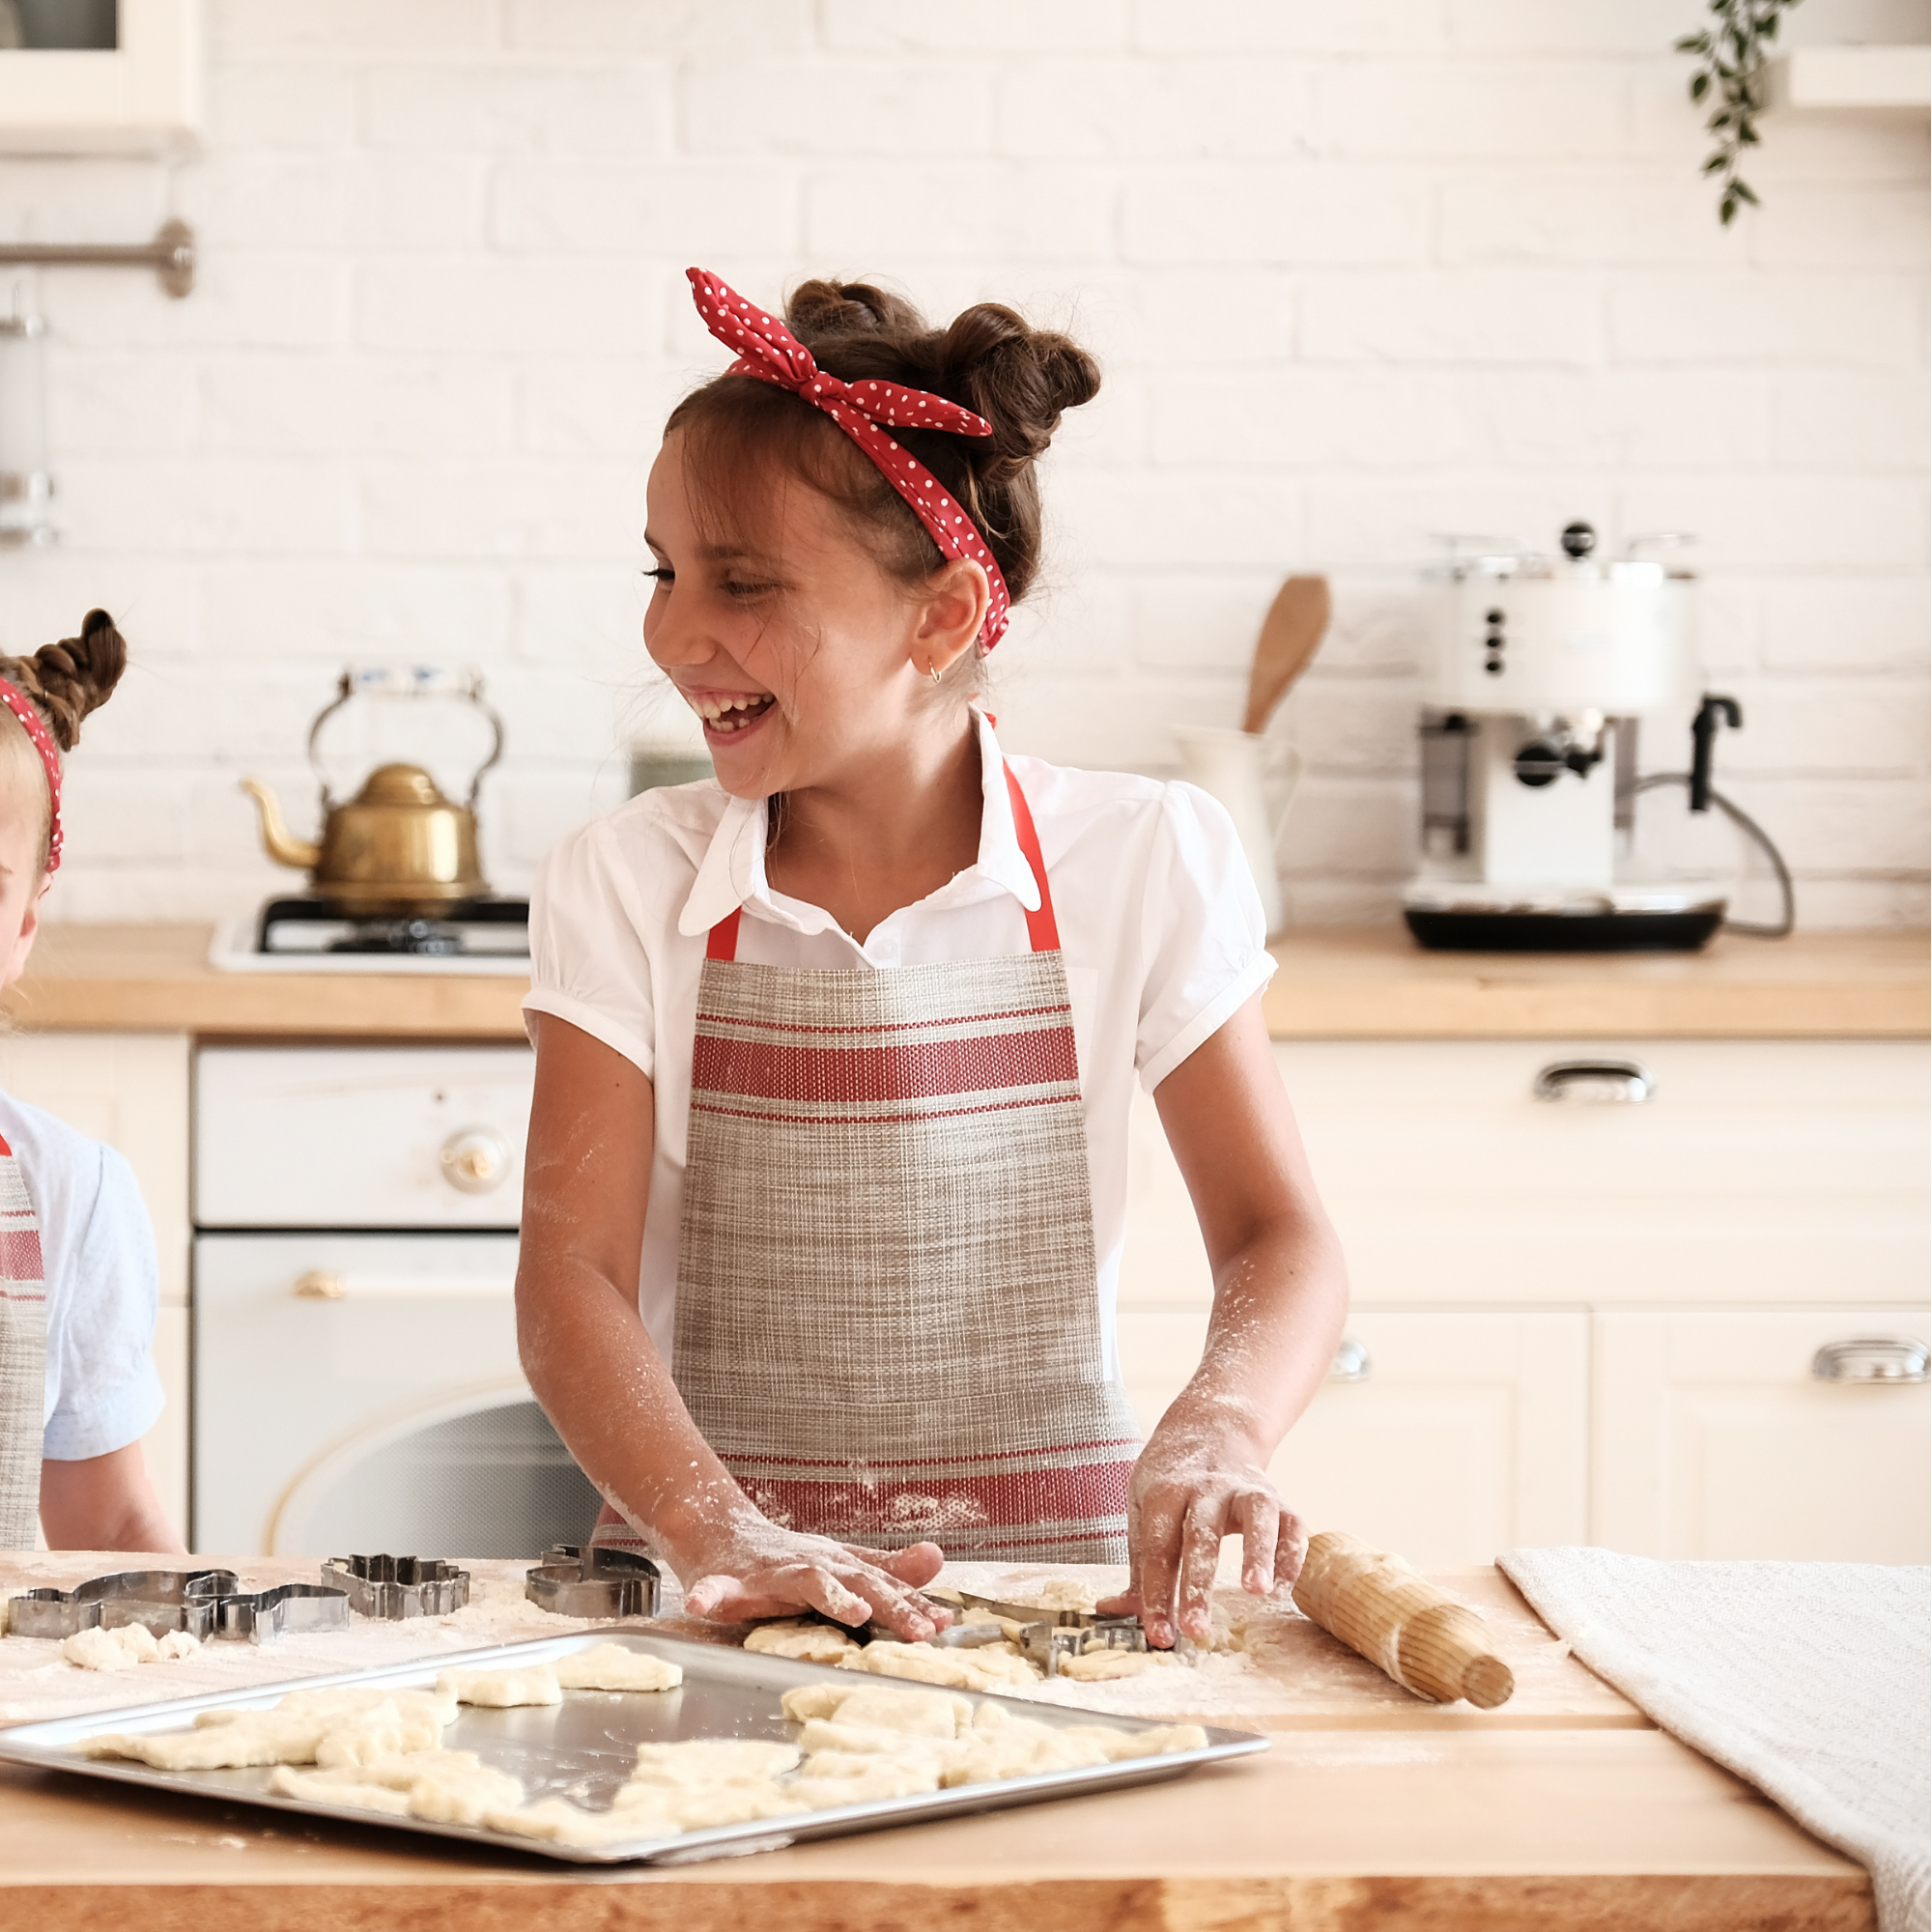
(1358, 271)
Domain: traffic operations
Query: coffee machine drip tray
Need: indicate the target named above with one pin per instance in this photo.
(1470, 915)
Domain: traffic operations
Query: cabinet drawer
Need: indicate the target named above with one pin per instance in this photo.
(1713, 1438)
(1468, 1434)
(1758, 1171)
(360, 1137)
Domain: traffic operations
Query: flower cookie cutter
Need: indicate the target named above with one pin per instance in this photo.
(575, 1582)
(395, 1588)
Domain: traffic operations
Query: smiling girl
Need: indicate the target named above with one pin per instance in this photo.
(828, 1165)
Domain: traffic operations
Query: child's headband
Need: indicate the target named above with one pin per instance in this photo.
(769, 351)
(43, 744)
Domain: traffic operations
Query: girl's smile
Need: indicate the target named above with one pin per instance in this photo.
(728, 715)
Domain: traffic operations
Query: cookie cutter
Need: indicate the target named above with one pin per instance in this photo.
(207, 1603)
(577, 1581)
(395, 1588)
(1047, 1636)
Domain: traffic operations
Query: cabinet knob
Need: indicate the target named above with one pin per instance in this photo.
(319, 1284)
(475, 1160)
(1351, 1362)
(1872, 1358)
(1594, 1082)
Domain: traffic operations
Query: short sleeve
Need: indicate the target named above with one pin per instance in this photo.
(109, 1393)
(1204, 935)
(587, 958)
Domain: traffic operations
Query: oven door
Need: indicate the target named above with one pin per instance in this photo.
(361, 1393)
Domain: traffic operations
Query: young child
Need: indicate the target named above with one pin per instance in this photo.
(828, 1168)
(78, 1282)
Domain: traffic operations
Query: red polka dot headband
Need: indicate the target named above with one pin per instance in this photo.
(769, 351)
(16, 702)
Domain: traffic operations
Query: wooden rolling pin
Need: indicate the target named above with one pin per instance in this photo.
(1402, 1623)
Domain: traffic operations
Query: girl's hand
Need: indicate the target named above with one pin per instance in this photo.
(751, 1568)
(1197, 1479)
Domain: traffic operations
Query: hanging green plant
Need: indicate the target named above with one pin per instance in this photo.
(1731, 55)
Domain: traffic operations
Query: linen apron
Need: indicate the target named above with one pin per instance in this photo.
(888, 1318)
(23, 1359)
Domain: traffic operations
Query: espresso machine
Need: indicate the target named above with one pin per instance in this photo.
(1542, 672)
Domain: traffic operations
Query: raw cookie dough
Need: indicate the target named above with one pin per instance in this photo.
(503, 1689)
(890, 1710)
(385, 1731)
(991, 1667)
(563, 1823)
(612, 1667)
(345, 1785)
(1102, 1667)
(98, 1649)
(808, 1642)
(289, 1732)
(391, 1784)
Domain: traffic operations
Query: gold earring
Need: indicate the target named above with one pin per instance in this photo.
(932, 672)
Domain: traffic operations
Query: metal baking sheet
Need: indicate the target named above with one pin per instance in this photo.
(584, 1748)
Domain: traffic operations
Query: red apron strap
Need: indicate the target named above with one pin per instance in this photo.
(1042, 929)
(723, 940)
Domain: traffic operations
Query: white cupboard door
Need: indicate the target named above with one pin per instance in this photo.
(164, 1447)
(130, 1090)
(1713, 1439)
(1466, 1435)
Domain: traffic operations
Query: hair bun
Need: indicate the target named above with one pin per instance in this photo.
(821, 310)
(1022, 380)
(72, 677)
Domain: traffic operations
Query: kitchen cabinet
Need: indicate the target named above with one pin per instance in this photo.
(1443, 1432)
(140, 96)
(1713, 1437)
(1529, 1277)
(131, 1092)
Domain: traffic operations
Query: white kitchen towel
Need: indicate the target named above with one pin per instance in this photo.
(1810, 1680)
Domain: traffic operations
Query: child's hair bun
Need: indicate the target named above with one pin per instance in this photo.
(68, 679)
(1020, 379)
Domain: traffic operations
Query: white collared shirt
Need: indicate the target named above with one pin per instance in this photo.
(1160, 928)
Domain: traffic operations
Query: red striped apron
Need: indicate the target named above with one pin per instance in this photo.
(888, 1311)
(23, 1359)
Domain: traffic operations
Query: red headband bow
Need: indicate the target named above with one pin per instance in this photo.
(16, 702)
(769, 351)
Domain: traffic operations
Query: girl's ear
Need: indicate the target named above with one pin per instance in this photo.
(951, 614)
(15, 962)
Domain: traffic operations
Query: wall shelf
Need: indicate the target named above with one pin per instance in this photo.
(141, 98)
(1875, 80)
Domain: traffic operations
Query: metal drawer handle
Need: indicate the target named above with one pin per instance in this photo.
(1351, 1362)
(1872, 1358)
(475, 1160)
(1595, 1082)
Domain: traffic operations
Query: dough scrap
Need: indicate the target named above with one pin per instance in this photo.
(878, 1780)
(991, 1667)
(1052, 1593)
(808, 1642)
(612, 1667)
(178, 1644)
(98, 1649)
(503, 1689)
(1105, 1664)
(701, 1763)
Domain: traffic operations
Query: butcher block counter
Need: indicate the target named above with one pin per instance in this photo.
(1562, 1808)
(1334, 982)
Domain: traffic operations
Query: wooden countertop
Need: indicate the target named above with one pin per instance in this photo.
(1334, 983)
(1563, 1808)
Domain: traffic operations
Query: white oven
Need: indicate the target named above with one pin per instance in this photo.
(356, 1385)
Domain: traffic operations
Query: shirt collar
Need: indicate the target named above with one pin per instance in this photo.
(733, 871)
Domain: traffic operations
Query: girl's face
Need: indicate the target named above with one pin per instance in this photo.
(22, 834)
(810, 664)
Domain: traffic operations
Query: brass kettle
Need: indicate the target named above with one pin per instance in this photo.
(398, 849)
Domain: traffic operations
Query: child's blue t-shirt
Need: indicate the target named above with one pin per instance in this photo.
(104, 1286)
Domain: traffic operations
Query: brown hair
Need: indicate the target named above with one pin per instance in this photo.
(738, 429)
(64, 682)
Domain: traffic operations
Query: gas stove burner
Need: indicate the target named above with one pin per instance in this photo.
(429, 936)
(310, 926)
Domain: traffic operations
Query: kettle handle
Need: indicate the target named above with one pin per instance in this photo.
(346, 688)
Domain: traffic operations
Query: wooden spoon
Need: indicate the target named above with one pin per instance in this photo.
(1290, 633)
